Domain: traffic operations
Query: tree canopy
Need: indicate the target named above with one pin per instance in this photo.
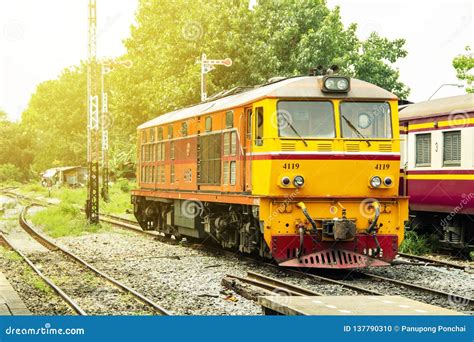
(274, 38)
(464, 65)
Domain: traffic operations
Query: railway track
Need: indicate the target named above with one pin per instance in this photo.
(362, 288)
(85, 280)
(269, 286)
(68, 300)
(432, 261)
(363, 283)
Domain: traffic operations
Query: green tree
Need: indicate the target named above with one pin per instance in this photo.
(56, 118)
(464, 65)
(15, 154)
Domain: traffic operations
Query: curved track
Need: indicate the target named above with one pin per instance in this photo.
(49, 244)
(69, 301)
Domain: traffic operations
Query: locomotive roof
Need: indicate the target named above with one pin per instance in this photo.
(436, 107)
(295, 87)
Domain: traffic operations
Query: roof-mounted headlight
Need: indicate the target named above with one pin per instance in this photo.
(338, 84)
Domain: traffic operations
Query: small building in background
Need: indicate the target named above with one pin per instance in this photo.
(72, 176)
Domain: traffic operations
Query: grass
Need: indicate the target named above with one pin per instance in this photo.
(28, 276)
(64, 220)
(119, 194)
(418, 244)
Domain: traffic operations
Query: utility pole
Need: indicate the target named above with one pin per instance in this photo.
(207, 65)
(105, 135)
(106, 67)
(92, 203)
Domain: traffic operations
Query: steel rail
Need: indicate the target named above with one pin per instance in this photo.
(448, 295)
(282, 284)
(274, 286)
(434, 261)
(69, 301)
(53, 246)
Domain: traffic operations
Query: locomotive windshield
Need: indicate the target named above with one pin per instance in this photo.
(305, 119)
(366, 120)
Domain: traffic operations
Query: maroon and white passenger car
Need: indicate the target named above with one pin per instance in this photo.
(438, 167)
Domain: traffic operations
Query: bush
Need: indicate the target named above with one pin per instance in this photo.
(9, 172)
(418, 244)
(124, 185)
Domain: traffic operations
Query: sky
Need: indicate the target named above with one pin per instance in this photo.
(40, 38)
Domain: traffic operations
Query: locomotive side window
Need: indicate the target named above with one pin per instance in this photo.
(226, 144)
(226, 173)
(152, 134)
(308, 119)
(423, 149)
(184, 129)
(259, 126)
(208, 124)
(366, 120)
(229, 119)
(452, 148)
(233, 173)
(233, 143)
(249, 123)
(170, 131)
(160, 133)
(172, 150)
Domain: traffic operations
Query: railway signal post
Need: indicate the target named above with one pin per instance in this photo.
(207, 65)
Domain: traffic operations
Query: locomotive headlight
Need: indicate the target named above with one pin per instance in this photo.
(285, 181)
(342, 84)
(298, 181)
(388, 181)
(375, 181)
(338, 84)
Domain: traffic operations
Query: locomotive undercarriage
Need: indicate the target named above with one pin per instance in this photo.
(452, 231)
(232, 226)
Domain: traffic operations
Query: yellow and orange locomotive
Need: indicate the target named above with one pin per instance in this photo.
(304, 170)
